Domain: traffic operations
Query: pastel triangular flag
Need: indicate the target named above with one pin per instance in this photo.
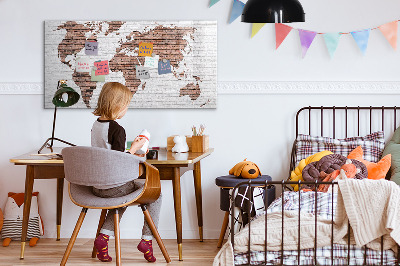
(255, 28)
(213, 2)
(237, 9)
(361, 37)
(389, 30)
(281, 31)
(332, 41)
(306, 39)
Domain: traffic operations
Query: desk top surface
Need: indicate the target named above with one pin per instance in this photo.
(164, 157)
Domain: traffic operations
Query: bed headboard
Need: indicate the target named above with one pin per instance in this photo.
(344, 121)
(344, 118)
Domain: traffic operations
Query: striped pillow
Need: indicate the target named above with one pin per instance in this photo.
(372, 145)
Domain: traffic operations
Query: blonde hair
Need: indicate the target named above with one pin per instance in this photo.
(113, 98)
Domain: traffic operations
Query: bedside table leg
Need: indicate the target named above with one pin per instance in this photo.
(223, 229)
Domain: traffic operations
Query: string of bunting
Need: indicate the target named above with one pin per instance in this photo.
(361, 37)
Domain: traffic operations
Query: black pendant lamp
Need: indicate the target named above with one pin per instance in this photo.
(273, 11)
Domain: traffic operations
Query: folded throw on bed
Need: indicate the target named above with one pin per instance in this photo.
(373, 209)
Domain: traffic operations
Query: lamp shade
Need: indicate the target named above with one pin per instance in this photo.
(273, 11)
(65, 96)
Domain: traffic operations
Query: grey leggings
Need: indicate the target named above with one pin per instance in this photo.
(154, 208)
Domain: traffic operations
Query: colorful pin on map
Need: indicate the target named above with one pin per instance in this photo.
(145, 48)
(164, 67)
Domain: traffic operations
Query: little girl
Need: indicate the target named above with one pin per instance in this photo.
(107, 133)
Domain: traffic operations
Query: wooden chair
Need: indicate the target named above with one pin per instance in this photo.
(85, 167)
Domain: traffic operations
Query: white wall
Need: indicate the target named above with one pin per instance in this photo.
(259, 127)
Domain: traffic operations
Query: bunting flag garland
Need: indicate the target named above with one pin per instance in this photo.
(389, 30)
(281, 31)
(361, 37)
(306, 39)
(213, 2)
(237, 9)
(256, 28)
(332, 41)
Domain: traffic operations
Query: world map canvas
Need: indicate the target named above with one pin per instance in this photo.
(185, 76)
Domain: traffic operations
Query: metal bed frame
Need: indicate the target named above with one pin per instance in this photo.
(283, 184)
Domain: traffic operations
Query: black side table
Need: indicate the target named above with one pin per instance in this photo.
(226, 183)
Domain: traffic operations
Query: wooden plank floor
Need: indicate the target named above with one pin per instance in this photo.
(50, 252)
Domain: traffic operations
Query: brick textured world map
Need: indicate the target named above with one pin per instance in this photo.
(190, 46)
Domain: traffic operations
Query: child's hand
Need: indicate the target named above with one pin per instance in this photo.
(137, 144)
(143, 155)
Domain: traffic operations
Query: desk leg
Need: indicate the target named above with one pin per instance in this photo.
(176, 183)
(27, 206)
(60, 190)
(199, 204)
(223, 230)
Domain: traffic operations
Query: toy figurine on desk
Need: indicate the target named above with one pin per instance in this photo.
(180, 144)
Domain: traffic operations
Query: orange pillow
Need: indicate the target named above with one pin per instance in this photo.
(375, 170)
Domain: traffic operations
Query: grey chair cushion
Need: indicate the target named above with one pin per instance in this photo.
(83, 196)
(99, 167)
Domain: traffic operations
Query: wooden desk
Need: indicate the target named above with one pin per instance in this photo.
(168, 164)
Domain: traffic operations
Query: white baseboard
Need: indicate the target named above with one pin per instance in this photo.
(259, 87)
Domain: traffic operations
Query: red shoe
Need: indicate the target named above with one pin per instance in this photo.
(101, 245)
(146, 247)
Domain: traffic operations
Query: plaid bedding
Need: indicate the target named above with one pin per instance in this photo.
(306, 202)
(372, 145)
(324, 257)
(323, 207)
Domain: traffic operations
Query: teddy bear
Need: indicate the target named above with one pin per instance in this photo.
(245, 169)
(13, 215)
(180, 144)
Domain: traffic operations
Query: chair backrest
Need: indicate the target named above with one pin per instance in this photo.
(92, 166)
